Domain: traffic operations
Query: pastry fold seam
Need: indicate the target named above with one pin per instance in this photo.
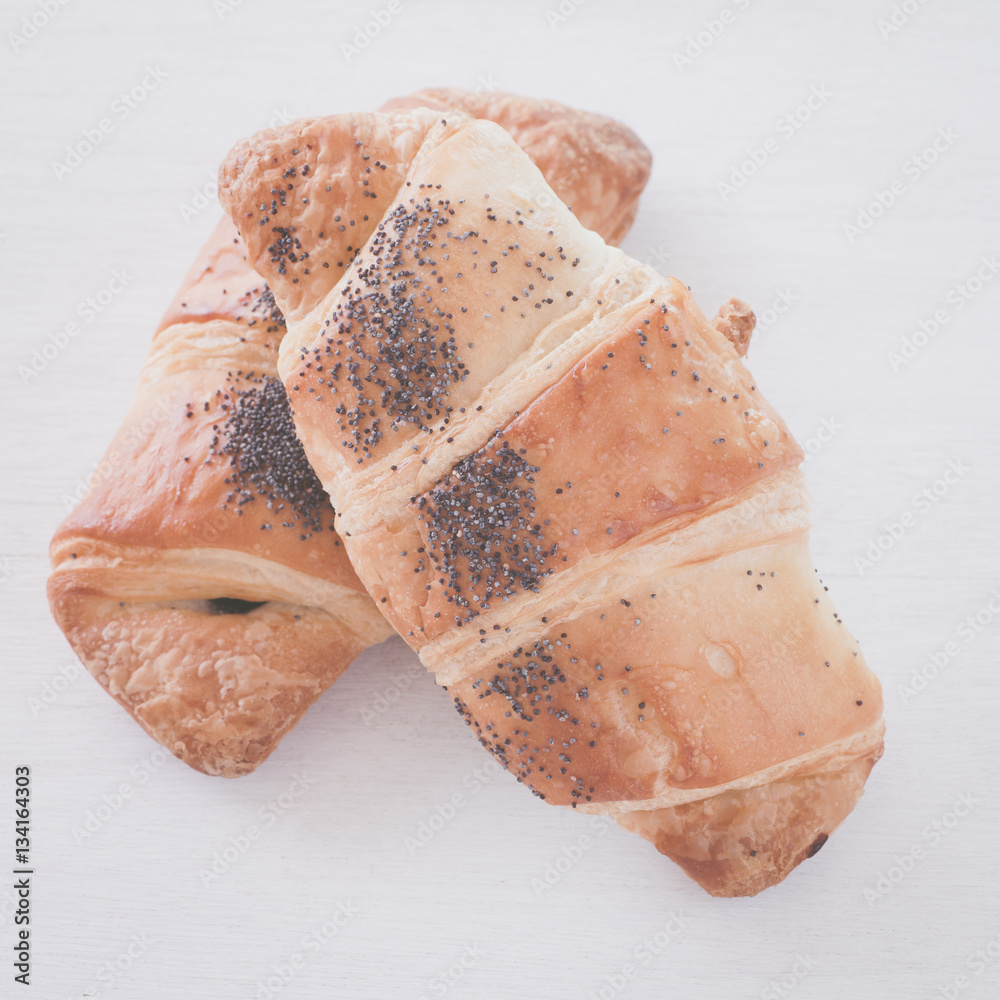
(737, 523)
(830, 758)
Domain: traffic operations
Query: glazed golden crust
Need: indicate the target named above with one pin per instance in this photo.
(504, 271)
(151, 570)
(673, 685)
(333, 177)
(310, 194)
(642, 467)
(596, 165)
(221, 285)
(169, 535)
(567, 493)
(166, 484)
(164, 481)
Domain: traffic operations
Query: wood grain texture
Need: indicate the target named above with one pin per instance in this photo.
(335, 818)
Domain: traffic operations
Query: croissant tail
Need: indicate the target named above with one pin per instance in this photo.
(738, 843)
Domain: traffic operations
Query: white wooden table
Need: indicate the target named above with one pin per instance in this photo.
(773, 128)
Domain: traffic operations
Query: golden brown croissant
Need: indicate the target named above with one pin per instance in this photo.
(201, 580)
(595, 165)
(566, 491)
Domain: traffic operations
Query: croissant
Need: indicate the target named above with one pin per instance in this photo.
(201, 580)
(595, 165)
(564, 489)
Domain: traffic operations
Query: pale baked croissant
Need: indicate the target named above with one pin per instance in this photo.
(565, 491)
(200, 580)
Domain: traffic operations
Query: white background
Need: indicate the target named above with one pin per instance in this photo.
(833, 929)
